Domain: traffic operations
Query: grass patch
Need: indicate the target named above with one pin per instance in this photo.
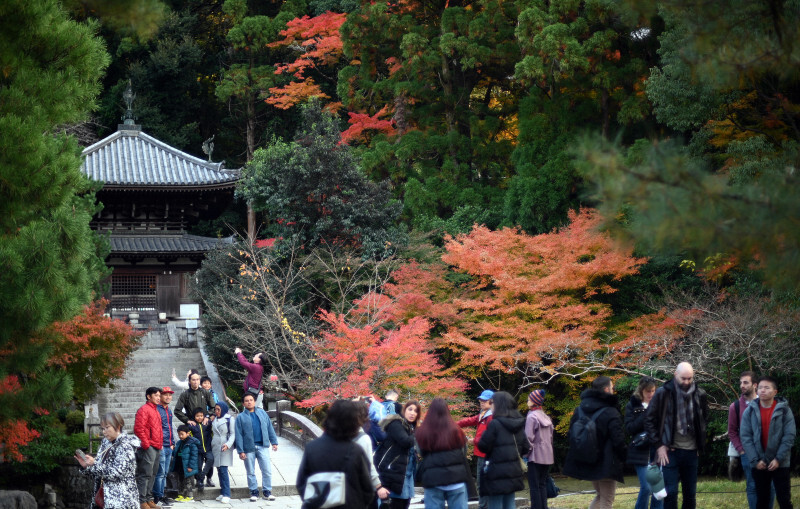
(716, 494)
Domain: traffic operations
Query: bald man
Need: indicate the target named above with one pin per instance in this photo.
(676, 426)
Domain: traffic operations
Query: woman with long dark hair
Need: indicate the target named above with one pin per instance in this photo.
(539, 430)
(444, 471)
(335, 451)
(639, 450)
(395, 458)
(504, 443)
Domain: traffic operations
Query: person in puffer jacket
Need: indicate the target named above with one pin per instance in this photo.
(444, 471)
(504, 443)
(114, 465)
(395, 459)
(768, 433)
(184, 461)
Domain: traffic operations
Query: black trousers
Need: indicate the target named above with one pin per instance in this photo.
(764, 480)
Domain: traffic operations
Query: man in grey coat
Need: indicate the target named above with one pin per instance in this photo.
(767, 434)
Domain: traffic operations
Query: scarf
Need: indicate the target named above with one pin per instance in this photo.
(685, 410)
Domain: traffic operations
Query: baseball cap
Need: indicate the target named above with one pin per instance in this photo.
(167, 390)
(486, 395)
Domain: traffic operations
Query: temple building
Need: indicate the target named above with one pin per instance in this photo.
(152, 194)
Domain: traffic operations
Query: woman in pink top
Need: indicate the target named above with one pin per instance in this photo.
(539, 430)
(255, 371)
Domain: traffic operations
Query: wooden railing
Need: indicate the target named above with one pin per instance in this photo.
(297, 428)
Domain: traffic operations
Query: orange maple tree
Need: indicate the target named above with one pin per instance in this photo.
(366, 359)
(92, 348)
(526, 305)
(318, 41)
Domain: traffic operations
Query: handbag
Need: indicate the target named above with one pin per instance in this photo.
(522, 463)
(326, 489)
(99, 497)
(552, 489)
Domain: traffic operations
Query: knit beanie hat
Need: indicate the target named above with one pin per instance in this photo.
(536, 397)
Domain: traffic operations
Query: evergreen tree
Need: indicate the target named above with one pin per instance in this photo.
(49, 261)
(728, 85)
(313, 191)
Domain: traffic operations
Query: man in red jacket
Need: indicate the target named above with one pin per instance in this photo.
(480, 422)
(147, 426)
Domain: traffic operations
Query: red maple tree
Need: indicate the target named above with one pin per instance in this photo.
(92, 348)
(319, 45)
(369, 359)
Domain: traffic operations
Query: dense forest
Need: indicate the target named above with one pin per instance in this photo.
(465, 194)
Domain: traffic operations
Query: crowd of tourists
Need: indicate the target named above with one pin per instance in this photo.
(373, 454)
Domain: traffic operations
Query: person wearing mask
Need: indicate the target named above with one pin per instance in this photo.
(193, 397)
(395, 458)
(444, 472)
(639, 449)
(675, 422)
(768, 432)
(223, 438)
(601, 404)
(169, 444)
(480, 422)
(114, 467)
(539, 431)
(504, 443)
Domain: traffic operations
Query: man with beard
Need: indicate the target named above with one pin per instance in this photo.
(676, 425)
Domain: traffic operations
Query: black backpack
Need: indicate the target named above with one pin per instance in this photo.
(584, 444)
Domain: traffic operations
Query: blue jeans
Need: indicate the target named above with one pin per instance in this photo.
(436, 498)
(751, 484)
(262, 456)
(224, 482)
(161, 476)
(644, 491)
(682, 467)
(502, 501)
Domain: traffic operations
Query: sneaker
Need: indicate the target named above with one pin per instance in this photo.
(253, 498)
(210, 483)
(268, 495)
(166, 502)
(225, 500)
(219, 498)
(180, 498)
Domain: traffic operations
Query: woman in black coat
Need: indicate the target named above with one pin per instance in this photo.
(504, 443)
(335, 451)
(444, 464)
(395, 458)
(639, 450)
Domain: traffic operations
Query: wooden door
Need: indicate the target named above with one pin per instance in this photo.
(169, 294)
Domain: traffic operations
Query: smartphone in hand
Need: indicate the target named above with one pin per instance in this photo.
(81, 454)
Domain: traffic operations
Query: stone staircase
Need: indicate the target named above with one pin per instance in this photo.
(150, 365)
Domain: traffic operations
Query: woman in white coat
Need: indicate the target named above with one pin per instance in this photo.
(222, 444)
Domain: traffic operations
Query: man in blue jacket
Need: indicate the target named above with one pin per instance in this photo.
(767, 434)
(168, 442)
(254, 434)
